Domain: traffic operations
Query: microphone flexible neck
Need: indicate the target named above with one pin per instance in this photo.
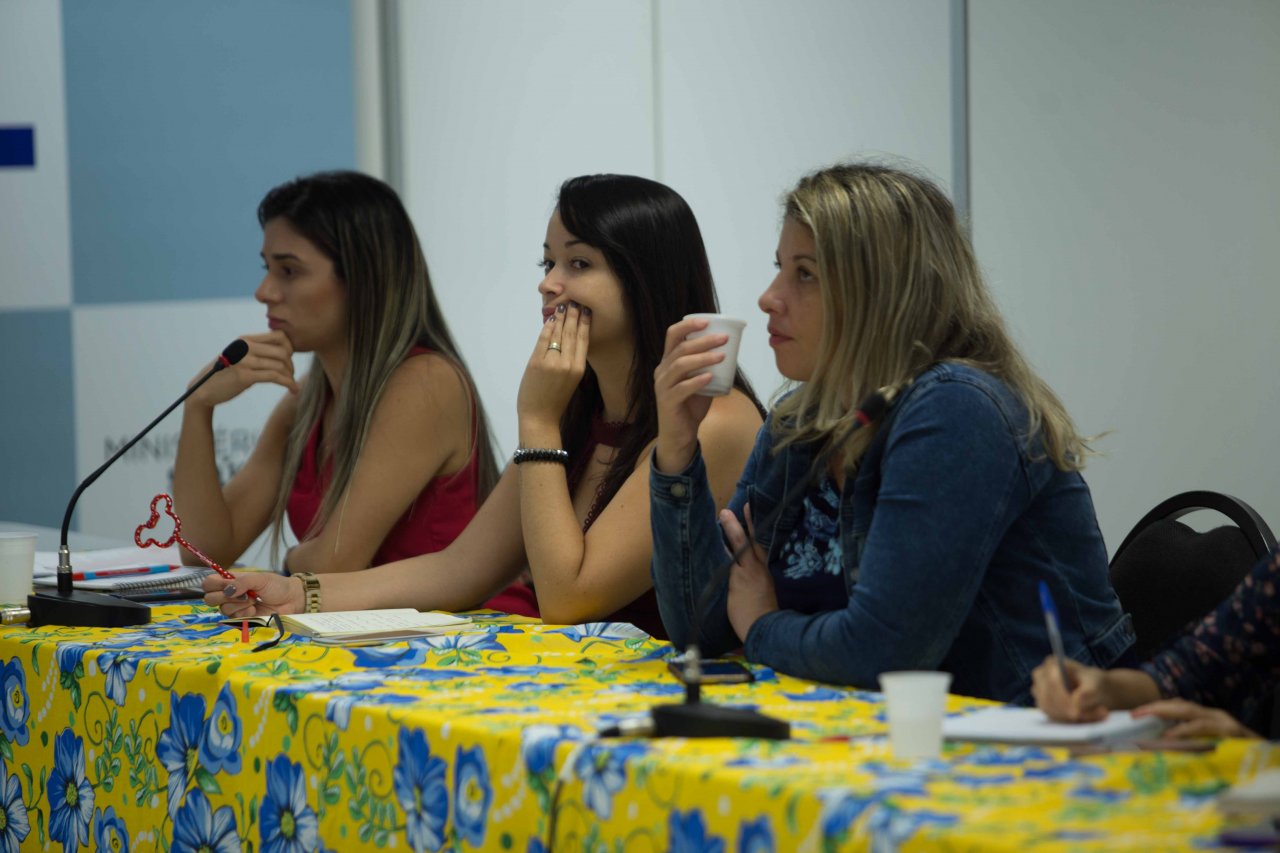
(232, 354)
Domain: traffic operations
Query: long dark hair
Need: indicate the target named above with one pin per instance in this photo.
(359, 223)
(652, 242)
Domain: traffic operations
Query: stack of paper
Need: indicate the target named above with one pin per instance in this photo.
(1027, 725)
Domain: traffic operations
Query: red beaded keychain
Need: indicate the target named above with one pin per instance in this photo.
(176, 536)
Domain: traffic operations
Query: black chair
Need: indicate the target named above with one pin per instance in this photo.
(1168, 575)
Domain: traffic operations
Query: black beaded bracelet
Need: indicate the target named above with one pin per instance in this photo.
(540, 454)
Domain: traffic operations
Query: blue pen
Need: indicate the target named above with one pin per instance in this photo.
(121, 573)
(1055, 635)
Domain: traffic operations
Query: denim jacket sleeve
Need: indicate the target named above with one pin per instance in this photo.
(952, 479)
(690, 557)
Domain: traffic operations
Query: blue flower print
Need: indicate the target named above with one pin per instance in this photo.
(14, 823)
(118, 669)
(71, 657)
(689, 834)
(109, 832)
(603, 771)
(16, 709)
(338, 709)
(538, 746)
(479, 642)
(199, 829)
(288, 824)
(471, 794)
(755, 836)
(420, 788)
(70, 794)
(890, 827)
(411, 654)
(535, 845)
(220, 746)
(603, 630)
(179, 745)
(839, 811)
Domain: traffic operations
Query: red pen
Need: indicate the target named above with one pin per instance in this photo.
(176, 536)
(116, 573)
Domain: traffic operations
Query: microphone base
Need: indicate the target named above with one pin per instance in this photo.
(81, 609)
(704, 719)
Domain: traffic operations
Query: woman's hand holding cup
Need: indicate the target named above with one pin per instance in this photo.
(694, 356)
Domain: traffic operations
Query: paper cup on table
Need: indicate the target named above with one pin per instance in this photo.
(721, 374)
(17, 566)
(914, 704)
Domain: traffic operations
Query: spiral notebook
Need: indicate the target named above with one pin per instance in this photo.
(122, 559)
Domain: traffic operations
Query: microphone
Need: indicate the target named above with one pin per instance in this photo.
(68, 606)
(695, 718)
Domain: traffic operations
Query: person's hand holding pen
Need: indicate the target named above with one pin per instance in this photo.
(1086, 702)
(254, 594)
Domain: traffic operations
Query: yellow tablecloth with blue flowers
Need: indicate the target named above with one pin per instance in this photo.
(175, 736)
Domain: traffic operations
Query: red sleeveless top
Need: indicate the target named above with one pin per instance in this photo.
(434, 519)
(519, 597)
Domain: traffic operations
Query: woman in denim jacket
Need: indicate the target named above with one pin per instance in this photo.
(917, 542)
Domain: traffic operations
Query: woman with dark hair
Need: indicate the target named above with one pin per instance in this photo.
(623, 260)
(382, 451)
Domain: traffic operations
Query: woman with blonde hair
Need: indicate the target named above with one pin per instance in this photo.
(918, 540)
(382, 450)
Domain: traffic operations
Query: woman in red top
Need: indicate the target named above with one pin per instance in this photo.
(382, 450)
(623, 260)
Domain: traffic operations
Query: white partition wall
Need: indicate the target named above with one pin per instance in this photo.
(503, 100)
(727, 102)
(1126, 207)
(755, 94)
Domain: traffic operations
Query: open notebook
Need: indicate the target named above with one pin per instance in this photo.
(1030, 726)
(140, 569)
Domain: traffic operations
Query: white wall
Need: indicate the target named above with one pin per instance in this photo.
(1126, 208)
(727, 102)
(35, 241)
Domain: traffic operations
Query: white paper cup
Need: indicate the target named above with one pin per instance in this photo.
(17, 566)
(721, 374)
(914, 704)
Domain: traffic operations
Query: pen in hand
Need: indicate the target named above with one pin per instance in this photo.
(1055, 635)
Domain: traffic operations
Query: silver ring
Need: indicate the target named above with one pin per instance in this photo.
(555, 345)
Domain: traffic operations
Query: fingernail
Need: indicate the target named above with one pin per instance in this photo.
(586, 312)
(560, 308)
(229, 590)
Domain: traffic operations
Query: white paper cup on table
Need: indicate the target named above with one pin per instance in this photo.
(721, 374)
(915, 703)
(17, 566)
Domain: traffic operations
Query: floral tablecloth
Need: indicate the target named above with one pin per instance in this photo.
(175, 736)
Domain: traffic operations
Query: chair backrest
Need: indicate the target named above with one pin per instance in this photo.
(1168, 575)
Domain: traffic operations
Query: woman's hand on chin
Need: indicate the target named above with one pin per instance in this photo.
(680, 408)
(276, 594)
(555, 368)
(269, 359)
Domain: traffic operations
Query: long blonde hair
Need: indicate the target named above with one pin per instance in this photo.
(359, 223)
(901, 290)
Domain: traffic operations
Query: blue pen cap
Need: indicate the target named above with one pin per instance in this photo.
(1046, 600)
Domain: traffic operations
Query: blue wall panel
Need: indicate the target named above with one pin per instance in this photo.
(180, 115)
(37, 430)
